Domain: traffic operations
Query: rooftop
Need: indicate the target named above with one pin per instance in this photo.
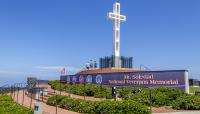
(101, 71)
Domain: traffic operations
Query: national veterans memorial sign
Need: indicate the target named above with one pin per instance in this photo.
(171, 78)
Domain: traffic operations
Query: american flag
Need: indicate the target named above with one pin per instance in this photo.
(62, 72)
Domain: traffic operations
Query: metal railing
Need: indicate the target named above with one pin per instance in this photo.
(14, 92)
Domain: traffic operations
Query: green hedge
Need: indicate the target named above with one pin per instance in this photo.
(99, 107)
(8, 106)
(124, 93)
(160, 96)
(80, 89)
(187, 102)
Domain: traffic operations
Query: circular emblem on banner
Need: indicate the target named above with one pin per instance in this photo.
(89, 79)
(98, 79)
(68, 79)
(81, 79)
(74, 79)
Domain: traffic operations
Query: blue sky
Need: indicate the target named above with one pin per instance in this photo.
(39, 37)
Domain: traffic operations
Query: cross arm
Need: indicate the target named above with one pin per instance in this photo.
(114, 16)
(122, 18)
(111, 15)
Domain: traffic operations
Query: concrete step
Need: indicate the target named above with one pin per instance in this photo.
(44, 101)
(48, 95)
(51, 93)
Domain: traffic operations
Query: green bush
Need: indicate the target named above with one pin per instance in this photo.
(99, 95)
(58, 98)
(99, 107)
(124, 93)
(165, 96)
(77, 105)
(160, 99)
(171, 93)
(8, 106)
(141, 98)
(120, 107)
(187, 102)
(160, 96)
(80, 89)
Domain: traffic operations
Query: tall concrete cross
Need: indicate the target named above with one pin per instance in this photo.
(117, 18)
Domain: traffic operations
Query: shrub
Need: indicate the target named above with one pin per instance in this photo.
(117, 107)
(124, 93)
(80, 89)
(55, 99)
(165, 96)
(171, 93)
(99, 95)
(141, 98)
(99, 107)
(160, 96)
(160, 99)
(187, 102)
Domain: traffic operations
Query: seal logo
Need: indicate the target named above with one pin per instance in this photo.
(98, 79)
(81, 79)
(89, 79)
(74, 79)
(68, 79)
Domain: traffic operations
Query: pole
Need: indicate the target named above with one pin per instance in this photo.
(38, 95)
(42, 95)
(60, 87)
(11, 92)
(70, 89)
(17, 93)
(65, 90)
(14, 91)
(31, 97)
(150, 99)
(56, 104)
(84, 91)
(114, 92)
(101, 88)
(23, 97)
(122, 92)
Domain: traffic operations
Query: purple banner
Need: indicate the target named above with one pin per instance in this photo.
(172, 78)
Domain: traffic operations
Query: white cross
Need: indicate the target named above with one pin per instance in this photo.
(116, 18)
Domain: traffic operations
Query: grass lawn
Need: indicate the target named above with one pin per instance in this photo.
(193, 89)
(8, 106)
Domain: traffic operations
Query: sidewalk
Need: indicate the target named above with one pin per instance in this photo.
(46, 108)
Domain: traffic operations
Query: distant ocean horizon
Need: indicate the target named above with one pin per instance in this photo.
(11, 80)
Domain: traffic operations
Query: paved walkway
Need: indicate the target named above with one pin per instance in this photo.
(46, 108)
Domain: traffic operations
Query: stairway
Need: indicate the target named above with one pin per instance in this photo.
(44, 98)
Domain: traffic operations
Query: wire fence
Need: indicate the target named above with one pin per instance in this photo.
(20, 91)
(25, 96)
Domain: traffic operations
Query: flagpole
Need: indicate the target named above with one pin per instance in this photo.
(62, 73)
(60, 85)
